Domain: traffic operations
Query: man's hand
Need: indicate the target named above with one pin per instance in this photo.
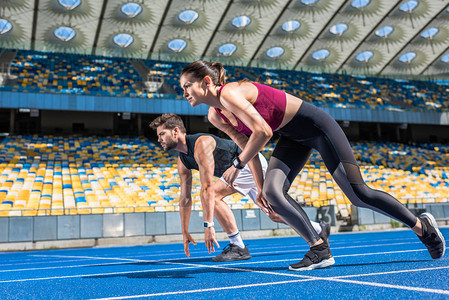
(187, 240)
(230, 175)
(209, 239)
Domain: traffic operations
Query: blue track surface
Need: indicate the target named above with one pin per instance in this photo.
(368, 265)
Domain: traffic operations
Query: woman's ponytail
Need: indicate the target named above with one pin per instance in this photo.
(200, 69)
(221, 73)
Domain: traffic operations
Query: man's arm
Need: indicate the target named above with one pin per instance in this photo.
(185, 198)
(204, 148)
(185, 204)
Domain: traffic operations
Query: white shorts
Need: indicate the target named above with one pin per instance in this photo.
(245, 181)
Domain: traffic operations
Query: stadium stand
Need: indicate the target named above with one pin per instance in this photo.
(110, 76)
(57, 175)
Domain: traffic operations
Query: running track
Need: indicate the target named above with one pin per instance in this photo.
(391, 264)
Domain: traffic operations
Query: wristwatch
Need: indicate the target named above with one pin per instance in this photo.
(237, 163)
(208, 224)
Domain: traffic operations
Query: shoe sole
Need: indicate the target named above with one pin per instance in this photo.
(240, 258)
(435, 225)
(323, 264)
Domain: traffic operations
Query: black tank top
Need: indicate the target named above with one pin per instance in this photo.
(225, 151)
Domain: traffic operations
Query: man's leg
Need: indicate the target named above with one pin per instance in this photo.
(236, 250)
(222, 211)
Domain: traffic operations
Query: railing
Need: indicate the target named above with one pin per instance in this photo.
(410, 202)
(79, 211)
(13, 212)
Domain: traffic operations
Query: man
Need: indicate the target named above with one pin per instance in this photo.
(212, 156)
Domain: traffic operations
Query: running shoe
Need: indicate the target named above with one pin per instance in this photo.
(317, 257)
(231, 253)
(325, 232)
(432, 237)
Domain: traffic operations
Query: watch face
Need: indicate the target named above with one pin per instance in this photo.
(236, 163)
(207, 224)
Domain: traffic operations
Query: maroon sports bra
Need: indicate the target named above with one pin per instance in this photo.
(270, 104)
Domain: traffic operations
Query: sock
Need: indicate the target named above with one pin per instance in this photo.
(319, 247)
(316, 226)
(236, 239)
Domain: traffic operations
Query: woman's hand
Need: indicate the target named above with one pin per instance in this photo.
(267, 209)
(275, 218)
(263, 204)
(230, 175)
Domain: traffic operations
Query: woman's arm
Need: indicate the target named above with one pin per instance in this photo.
(241, 140)
(234, 101)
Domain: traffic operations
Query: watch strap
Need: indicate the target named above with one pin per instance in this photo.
(237, 163)
(208, 224)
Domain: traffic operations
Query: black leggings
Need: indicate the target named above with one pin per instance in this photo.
(312, 128)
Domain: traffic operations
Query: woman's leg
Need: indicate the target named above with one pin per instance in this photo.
(287, 160)
(339, 159)
(341, 163)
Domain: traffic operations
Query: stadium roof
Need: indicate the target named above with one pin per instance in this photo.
(384, 37)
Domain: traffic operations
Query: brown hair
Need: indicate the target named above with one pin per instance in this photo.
(170, 121)
(200, 69)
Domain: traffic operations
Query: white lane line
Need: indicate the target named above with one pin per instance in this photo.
(375, 245)
(124, 261)
(295, 274)
(207, 290)
(195, 266)
(42, 262)
(95, 275)
(335, 256)
(340, 248)
(177, 252)
(337, 279)
(305, 278)
(303, 247)
(389, 272)
(332, 248)
(295, 246)
(255, 253)
(393, 286)
(91, 257)
(66, 267)
(385, 252)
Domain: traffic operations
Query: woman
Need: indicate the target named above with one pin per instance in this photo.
(247, 108)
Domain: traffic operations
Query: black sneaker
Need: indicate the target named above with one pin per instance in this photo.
(317, 257)
(232, 252)
(432, 237)
(325, 232)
